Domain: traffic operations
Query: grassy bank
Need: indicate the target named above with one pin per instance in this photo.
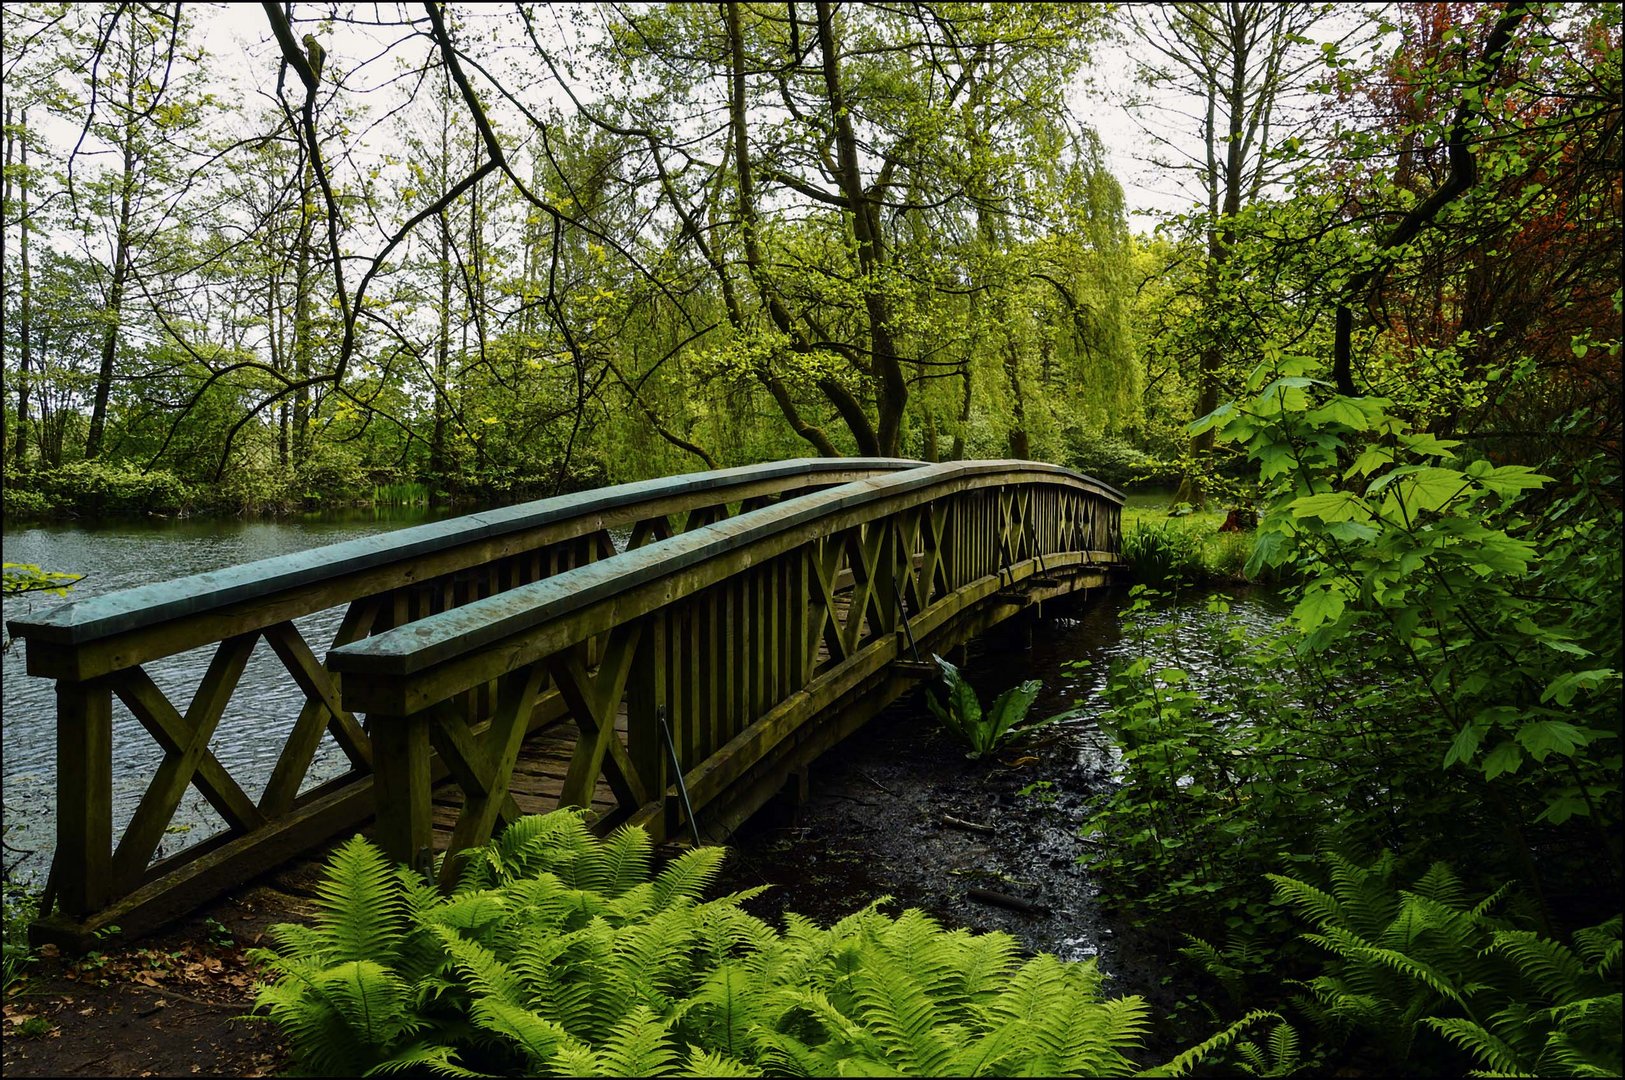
(1189, 547)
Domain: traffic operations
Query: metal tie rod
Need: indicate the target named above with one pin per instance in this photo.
(677, 771)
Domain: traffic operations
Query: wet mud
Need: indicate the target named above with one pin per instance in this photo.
(898, 810)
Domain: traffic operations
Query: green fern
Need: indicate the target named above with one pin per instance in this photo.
(561, 954)
(1424, 959)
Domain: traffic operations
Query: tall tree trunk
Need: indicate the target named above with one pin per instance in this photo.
(1224, 203)
(442, 364)
(115, 295)
(958, 451)
(753, 256)
(279, 361)
(302, 344)
(5, 290)
(19, 454)
(891, 388)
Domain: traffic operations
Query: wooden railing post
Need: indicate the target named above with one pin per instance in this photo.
(401, 787)
(645, 701)
(83, 870)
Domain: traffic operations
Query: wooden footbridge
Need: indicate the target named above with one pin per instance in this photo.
(508, 662)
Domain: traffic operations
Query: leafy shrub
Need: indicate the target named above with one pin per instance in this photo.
(1114, 459)
(1444, 566)
(961, 712)
(332, 473)
(252, 490)
(22, 504)
(96, 488)
(558, 953)
(21, 904)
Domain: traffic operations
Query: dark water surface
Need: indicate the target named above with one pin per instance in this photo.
(263, 709)
(877, 820)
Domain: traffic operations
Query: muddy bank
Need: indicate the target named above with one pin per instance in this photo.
(899, 810)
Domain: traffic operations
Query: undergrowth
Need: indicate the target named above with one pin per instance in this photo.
(561, 954)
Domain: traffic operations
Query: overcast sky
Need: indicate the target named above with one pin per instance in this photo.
(229, 29)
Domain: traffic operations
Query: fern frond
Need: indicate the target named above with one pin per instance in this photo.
(1598, 1055)
(1551, 965)
(984, 963)
(467, 913)
(689, 875)
(433, 1057)
(361, 904)
(1482, 1044)
(1317, 907)
(1284, 1049)
(991, 1053)
(1350, 945)
(1185, 1062)
(576, 1058)
(640, 1045)
(1094, 1035)
(1600, 945)
(1441, 885)
(1482, 909)
(706, 1063)
(294, 939)
(485, 974)
(725, 1007)
(894, 1008)
(537, 1038)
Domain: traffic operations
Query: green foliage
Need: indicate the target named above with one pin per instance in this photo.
(561, 954)
(1162, 553)
(18, 578)
(21, 905)
(1445, 569)
(1231, 748)
(22, 504)
(961, 712)
(1114, 459)
(1403, 961)
(96, 488)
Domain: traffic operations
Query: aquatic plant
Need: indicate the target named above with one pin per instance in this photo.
(961, 712)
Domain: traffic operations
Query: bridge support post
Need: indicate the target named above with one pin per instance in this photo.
(83, 867)
(646, 693)
(402, 789)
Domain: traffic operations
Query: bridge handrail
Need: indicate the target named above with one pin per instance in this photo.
(378, 663)
(94, 618)
(723, 643)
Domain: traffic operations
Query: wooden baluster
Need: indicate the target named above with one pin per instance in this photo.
(694, 719)
(760, 602)
(800, 637)
(739, 650)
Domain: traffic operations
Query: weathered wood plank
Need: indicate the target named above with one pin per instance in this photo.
(175, 772)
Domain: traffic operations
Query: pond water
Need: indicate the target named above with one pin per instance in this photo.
(250, 735)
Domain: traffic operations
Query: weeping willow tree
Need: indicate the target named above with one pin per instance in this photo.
(882, 229)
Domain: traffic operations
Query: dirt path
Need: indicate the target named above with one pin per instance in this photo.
(170, 1005)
